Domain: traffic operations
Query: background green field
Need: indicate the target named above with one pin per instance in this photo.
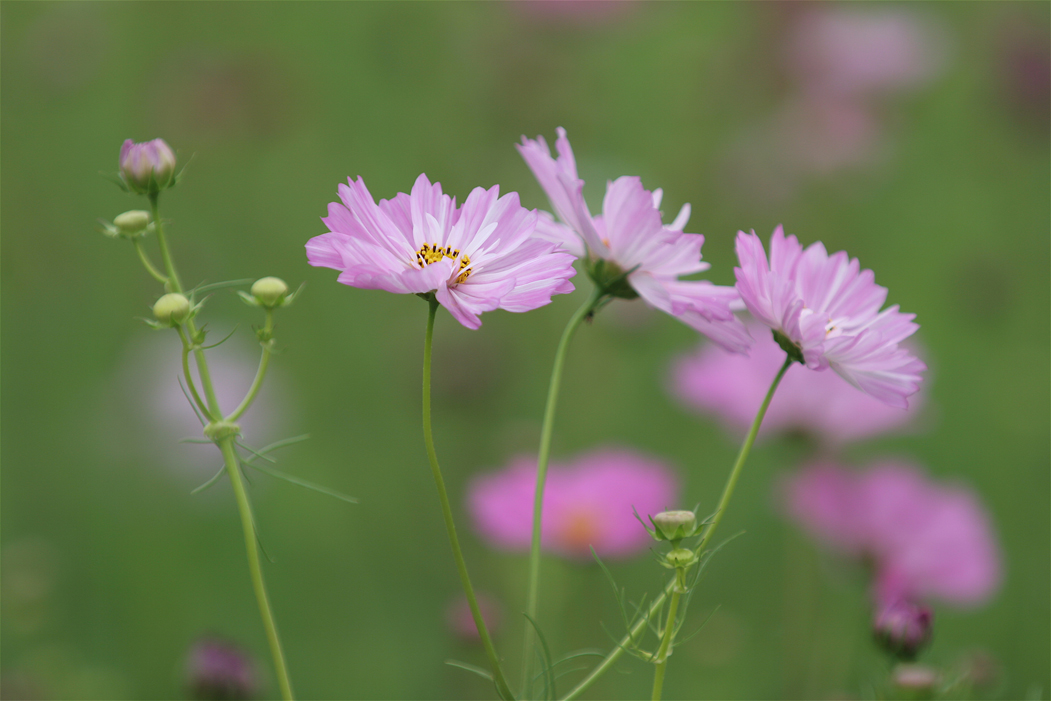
(111, 568)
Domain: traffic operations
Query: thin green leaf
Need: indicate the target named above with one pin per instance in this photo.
(282, 443)
(225, 339)
(302, 483)
(549, 678)
(255, 453)
(485, 674)
(210, 482)
(616, 590)
(220, 285)
(703, 624)
(193, 406)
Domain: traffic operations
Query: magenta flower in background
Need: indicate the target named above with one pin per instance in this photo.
(924, 539)
(588, 503)
(630, 237)
(476, 258)
(830, 310)
(821, 404)
(217, 669)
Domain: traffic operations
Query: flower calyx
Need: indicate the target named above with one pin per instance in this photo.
(218, 430)
(269, 293)
(789, 346)
(129, 225)
(611, 278)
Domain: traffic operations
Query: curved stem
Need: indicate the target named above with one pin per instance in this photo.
(461, 566)
(661, 660)
(658, 602)
(226, 445)
(532, 596)
(162, 241)
(268, 329)
(189, 378)
(157, 275)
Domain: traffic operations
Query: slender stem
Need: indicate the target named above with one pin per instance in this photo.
(661, 660)
(658, 602)
(226, 445)
(189, 378)
(532, 597)
(157, 275)
(461, 566)
(268, 329)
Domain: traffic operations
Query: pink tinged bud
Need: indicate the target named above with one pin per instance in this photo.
(147, 168)
(216, 669)
(902, 628)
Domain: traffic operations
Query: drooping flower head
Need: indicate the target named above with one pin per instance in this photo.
(820, 404)
(924, 539)
(828, 310)
(475, 258)
(147, 168)
(629, 251)
(588, 503)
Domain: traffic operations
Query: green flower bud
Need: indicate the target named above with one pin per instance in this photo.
(172, 309)
(675, 525)
(132, 223)
(270, 292)
(680, 557)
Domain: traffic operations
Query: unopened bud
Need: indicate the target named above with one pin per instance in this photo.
(172, 309)
(903, 628)
(270, 291)
(132, 223)
(675, 525)
(680, 557)
(917, 680)
(147, 168)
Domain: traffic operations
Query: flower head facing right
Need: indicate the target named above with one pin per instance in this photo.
(829, 310)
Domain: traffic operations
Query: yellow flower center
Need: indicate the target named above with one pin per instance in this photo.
(432, 253)
(579, 531)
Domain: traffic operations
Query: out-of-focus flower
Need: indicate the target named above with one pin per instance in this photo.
(830, 310)
(924, 539)
(147, 168)
(851, 51)
(587, 503)
(475, 258)
(821, 404)
(902, 627)
(219, 670)
(629, 239)
(461, 622)
(915, 679)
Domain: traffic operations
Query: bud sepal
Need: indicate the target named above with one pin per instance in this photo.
(129, 225)
(269, 293)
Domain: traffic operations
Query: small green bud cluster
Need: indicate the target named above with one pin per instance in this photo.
(269, 293)
(128, 225)
(172, 309)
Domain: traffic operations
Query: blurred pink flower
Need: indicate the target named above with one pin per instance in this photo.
(851, 51)
(821, 404)
(461, 622)
(475, 258)
(830, 309)
(588, 503)
(924, 539)
(630, 235)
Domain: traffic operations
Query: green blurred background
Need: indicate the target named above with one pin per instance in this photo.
(111, 569)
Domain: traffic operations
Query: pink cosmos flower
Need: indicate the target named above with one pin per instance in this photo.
(475, 258)
(588, 503)
(830, 310)
(629, 237)
(924, 539)
(820, 404)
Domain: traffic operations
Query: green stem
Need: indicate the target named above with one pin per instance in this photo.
(157, 275)
(532, 596)
(461, 566)
(661, 660)
(226, 445)
(268, 329)
(731, 482)
(189, 378)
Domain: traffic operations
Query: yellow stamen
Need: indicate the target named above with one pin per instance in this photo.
(432, 253)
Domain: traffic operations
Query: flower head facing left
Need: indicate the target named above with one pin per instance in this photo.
(827, 311)
(475, 258)
(629, 251)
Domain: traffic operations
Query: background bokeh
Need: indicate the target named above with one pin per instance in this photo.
(937, 180)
